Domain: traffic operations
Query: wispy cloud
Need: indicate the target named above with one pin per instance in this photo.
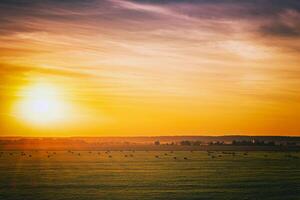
(202, 53)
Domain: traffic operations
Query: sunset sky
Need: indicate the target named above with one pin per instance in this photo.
(149, 67)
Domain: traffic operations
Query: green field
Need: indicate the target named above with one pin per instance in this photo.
(149, 175)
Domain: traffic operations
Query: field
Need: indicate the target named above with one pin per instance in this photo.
(64, 175)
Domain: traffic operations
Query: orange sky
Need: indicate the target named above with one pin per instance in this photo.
(128, 68)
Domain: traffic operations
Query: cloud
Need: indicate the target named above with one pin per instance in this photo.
(204, 57)
(264, 14)
(267, 17)
(281, 30)
(286, 24)
(12, 70)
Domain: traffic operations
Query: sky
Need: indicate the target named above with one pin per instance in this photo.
(149, 67)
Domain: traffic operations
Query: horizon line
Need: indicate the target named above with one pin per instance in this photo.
(149, 136)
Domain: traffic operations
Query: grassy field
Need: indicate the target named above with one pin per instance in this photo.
(149, 175)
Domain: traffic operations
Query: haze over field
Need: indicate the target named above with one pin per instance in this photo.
(128, 68)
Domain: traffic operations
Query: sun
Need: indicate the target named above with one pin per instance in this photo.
(42, 104)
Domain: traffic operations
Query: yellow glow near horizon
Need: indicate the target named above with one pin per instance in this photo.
(41, 104)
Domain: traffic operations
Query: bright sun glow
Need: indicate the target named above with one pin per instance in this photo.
(42, 104)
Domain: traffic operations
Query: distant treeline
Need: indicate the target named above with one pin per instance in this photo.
(176, 141)
(232, 143)
(254, 142)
